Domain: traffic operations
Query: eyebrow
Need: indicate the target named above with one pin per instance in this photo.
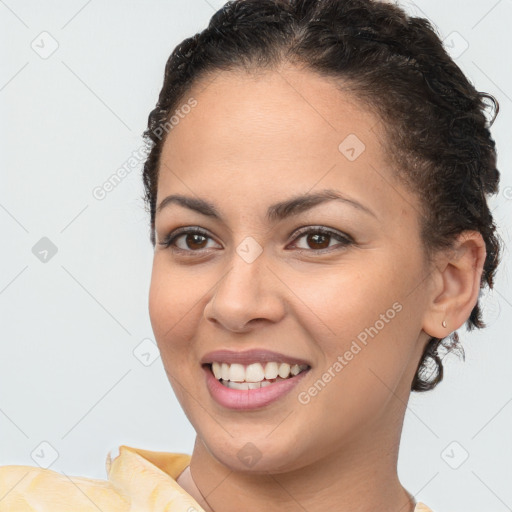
(278, 211)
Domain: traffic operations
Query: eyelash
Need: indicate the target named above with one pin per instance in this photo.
(344, 240)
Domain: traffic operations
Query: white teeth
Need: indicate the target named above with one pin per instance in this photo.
(217, 370)
(271, 370)
(236, 372)
(284, 370)
(225, 371)
(255, 373)
(295, 369)
(246, 385)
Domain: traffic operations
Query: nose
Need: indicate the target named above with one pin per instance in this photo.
(248, 294)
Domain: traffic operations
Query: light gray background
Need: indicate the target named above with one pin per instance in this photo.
(72, 327)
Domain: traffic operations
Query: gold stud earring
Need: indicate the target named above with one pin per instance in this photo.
(444, 323)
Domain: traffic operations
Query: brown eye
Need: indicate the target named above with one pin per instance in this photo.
(195, 241)
(188, 240)
(318, 240)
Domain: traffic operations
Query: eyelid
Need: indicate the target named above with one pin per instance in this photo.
(343, 238)
(184, 230)
(321, 229)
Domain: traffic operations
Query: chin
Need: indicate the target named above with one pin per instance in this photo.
(255, 455)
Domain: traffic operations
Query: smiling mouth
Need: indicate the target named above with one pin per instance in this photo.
(255, 375)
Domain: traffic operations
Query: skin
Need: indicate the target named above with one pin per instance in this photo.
(251, 141)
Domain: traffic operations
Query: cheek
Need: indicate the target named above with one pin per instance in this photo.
(365, 313)
(374, 322)
(172, 304)
(348, 299)
(174, 312)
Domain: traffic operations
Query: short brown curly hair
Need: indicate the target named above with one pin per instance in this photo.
(435, 119)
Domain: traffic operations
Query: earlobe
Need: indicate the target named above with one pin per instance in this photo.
(456, 285)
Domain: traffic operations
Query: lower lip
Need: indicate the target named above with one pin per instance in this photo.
(249, 398)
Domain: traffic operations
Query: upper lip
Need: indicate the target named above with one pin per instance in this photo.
(256, 355)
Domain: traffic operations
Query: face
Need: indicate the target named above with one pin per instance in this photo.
(332, 283)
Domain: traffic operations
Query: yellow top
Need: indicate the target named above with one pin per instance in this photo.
(138, 481)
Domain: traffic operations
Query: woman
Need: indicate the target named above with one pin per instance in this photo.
(317, 185)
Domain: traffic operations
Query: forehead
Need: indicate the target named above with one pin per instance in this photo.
(289, 111)
(286, 130)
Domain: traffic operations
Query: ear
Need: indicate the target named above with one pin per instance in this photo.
(455, 285)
